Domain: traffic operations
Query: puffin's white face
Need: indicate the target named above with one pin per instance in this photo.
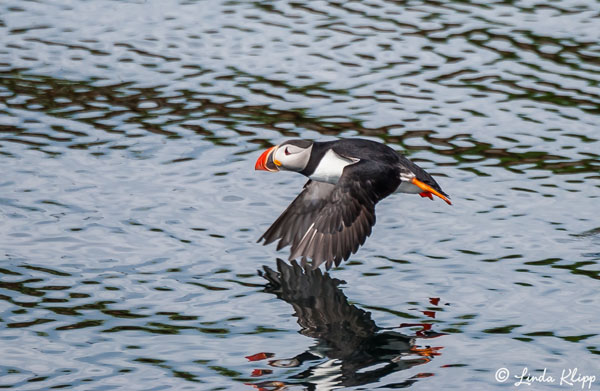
(292, 157)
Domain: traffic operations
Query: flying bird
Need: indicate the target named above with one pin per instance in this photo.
(335, 212)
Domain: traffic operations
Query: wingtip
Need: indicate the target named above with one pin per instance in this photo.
(261, 238)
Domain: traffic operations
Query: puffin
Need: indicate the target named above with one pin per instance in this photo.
(335, 212)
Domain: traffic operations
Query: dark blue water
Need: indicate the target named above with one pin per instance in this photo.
(130, 207)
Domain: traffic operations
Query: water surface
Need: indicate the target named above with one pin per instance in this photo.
(130, 207)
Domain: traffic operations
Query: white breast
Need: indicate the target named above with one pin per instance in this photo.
(331, 167)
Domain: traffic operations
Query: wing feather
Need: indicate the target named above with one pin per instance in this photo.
(294, 222)
(326, 222)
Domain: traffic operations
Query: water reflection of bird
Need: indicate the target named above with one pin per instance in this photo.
(334, 214)
(351, 349)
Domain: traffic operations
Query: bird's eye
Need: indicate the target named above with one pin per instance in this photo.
(286, 151)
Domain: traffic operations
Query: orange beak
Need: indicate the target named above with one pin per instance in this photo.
(263, 160)
(430, 189)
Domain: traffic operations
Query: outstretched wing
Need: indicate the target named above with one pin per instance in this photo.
(327, 222)
(299, 215)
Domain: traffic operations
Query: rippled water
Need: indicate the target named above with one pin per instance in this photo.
(130, 207)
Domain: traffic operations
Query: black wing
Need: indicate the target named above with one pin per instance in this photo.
(327, 222)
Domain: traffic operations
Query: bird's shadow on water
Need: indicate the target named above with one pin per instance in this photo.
(349, 350)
